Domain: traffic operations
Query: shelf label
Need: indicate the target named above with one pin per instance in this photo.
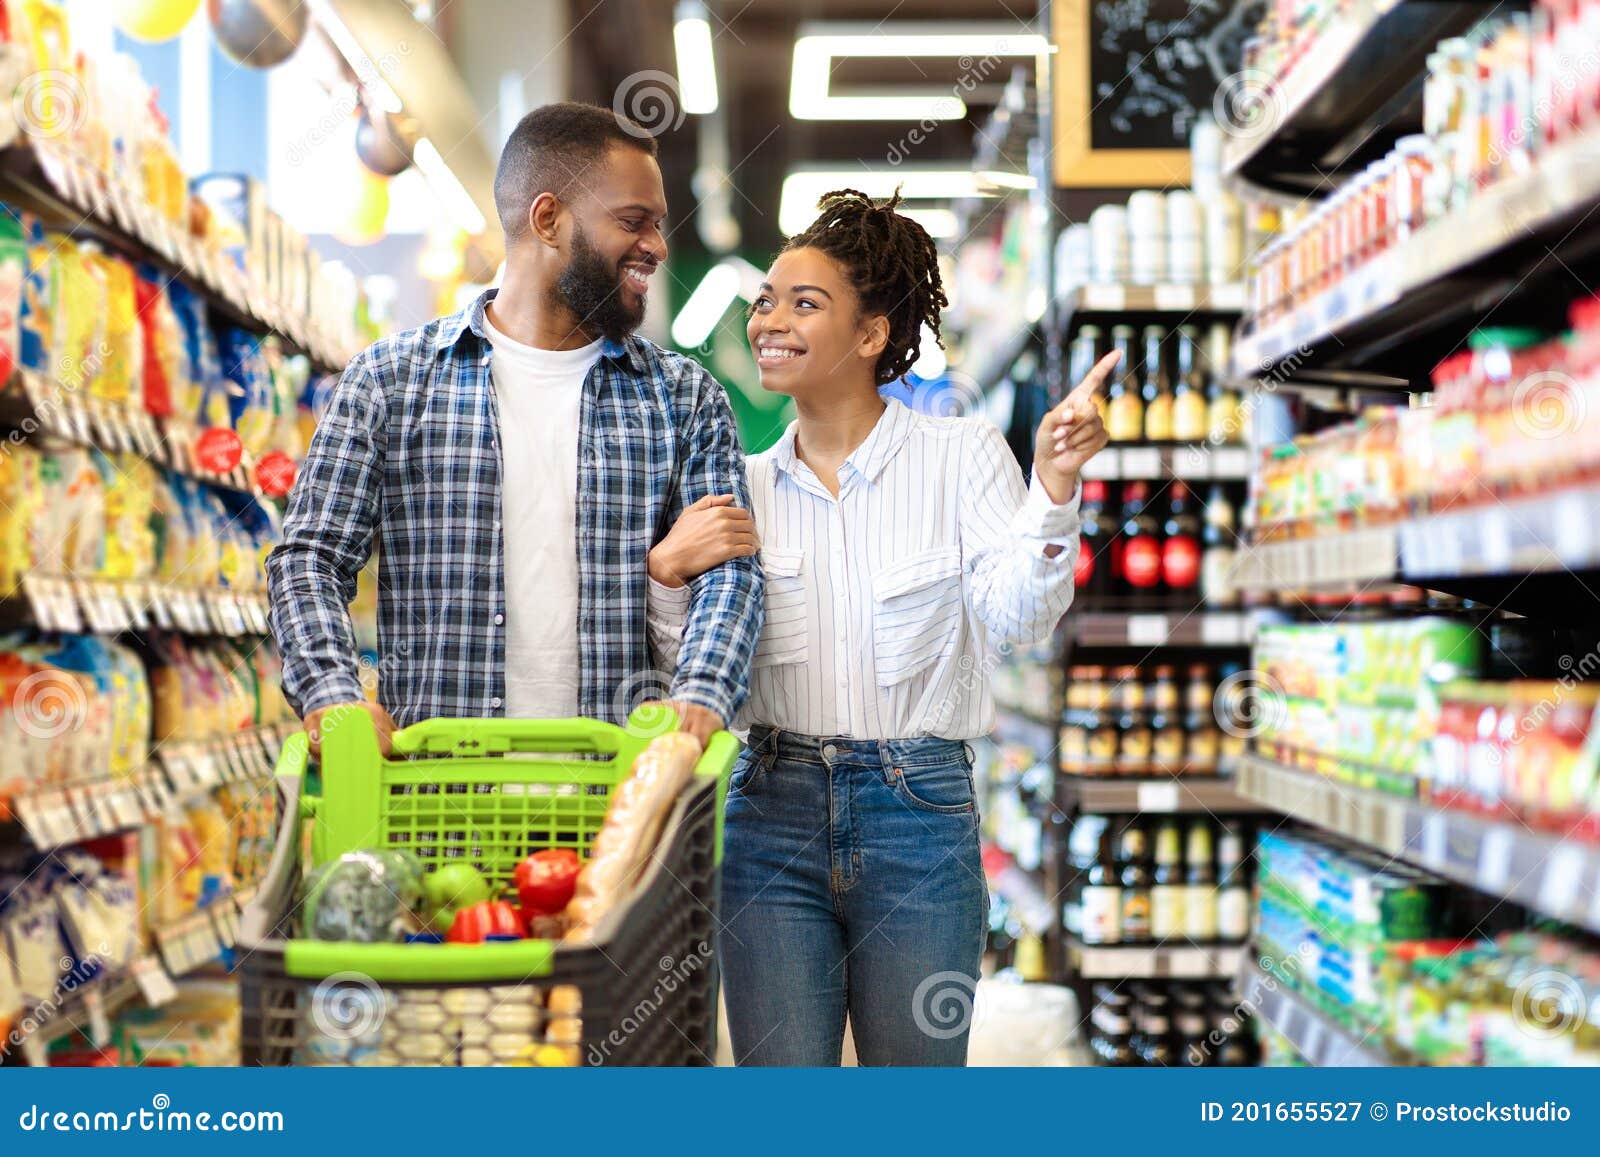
(1147, 630)
(1141, 462)
(1103, 466)
(1494, 860)
(1175, 297)
(1158, 797)
(155, 985)
(1434, 840)
(1558, 891)
(1221, 630)
(1311, 1042)
(1191, 462)
(1494, 539)
(1106, 297)
(1230, 462)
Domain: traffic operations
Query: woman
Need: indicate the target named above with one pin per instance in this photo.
(903, 555)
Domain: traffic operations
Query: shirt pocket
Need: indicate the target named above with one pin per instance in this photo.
(916, 613)
(783, 639)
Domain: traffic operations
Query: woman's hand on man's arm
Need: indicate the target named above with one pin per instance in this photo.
(706, 535)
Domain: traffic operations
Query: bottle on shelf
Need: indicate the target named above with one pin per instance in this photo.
(1166, 723)
(1092, 571)
(1199, 723)
(1168, 891)
(1124, 407)
(1226, 417)
(1137, 879)
(1191, 1027)
(1217, 556)
(1111, 1027)
(1233, 739)
(1233, 886)
(1200, 904)
(1101, 724)
(1140, 552)
(1190, 412)
(1102, 898)
(1180, 545)
(1238, 1048)
(1084, 844)
(1134, 737)
(1152, 1042)
(1156, 390)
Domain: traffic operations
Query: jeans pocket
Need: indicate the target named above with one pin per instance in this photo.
(746, 771)
(944, 787)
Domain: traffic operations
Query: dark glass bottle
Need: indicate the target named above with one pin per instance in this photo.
(1092, 574)
(1141, 542)
(1083, 852)
(1157, 389)
(1216, 560)
(1133, 856)
(1233, 886)
(1180, 546)
(1124, 407)
(1189, 408)
(1101, 902)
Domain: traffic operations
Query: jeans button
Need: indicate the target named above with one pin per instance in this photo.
(829, 751)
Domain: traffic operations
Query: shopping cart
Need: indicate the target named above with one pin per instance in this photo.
(642, 993)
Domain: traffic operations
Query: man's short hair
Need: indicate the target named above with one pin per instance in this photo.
(552, 150)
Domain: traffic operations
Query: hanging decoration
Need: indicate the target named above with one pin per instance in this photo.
(384, 141)
(258, 33)
(154, 20)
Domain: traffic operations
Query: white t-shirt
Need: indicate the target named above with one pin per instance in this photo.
(539, 393)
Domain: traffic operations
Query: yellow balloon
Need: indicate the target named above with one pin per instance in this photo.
(368, 208)
(155, 20)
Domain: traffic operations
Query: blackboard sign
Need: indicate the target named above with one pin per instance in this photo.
(1131, 77)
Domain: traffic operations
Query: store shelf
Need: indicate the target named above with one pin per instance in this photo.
(109, 606)
(1357, 89)
(1020, 888)
(30, 403)
(1012, 726)
(66, 187)
(1153, 961)
(1174, 302)
(1163, 795)
(1169, 629)
(1196, 463)
(1560, 878)
(1527, 554)
(1453, 268)
(59, 816)
(1314, 1036)
(88, 1008)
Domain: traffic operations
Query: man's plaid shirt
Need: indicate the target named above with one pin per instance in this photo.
(408, 458)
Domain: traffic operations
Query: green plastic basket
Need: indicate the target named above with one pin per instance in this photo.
(477, 801)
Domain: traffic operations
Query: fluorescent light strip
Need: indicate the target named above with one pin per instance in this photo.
(367, 73)
(697, 68)
(797, 205)
(815, 52)
(448, 188)
(698, 318)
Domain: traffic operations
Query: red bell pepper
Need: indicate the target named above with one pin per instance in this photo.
(546, 880)
(477, 922)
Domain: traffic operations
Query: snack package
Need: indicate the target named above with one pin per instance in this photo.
(248, 386)
(201, 399)
(35, 323)
(161, 351)
(639, 809)
(21, 497)
(67, 537)
(122, 367)
(99, 910)
(13, 271)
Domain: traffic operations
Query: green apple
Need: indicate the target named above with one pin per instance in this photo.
(449, 889)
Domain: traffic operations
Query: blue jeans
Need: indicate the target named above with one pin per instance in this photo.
(851, 882)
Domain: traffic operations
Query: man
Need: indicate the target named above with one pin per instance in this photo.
(517, 461)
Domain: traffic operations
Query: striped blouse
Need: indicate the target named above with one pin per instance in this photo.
(889, 606)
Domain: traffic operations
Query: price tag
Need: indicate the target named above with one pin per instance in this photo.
(1311, 1043)
(155, 985)
(1178, 298)
(159, 611)
(1158, 797)
(272, 742)
(1141, 462)
(1435, 840)
(179, 771)
(1147, 630)
(1110, 298)
(99, 1028)
(1104, 466)
(33, 822)
(1191, 462)
(1230, 462)
(39, 604)
(135, 600)
(1558, 891)
(1221, 630)
(1226, 297)
(1494, 860)
(207, 773)
(1570, 519)
(125, 805)
(84, 601)
(1494, 540)
(233, 614)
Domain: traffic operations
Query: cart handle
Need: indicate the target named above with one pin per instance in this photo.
(494, 736)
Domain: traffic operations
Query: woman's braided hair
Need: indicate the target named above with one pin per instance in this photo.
(892, 264)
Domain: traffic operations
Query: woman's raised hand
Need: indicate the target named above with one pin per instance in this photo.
(1072, 433)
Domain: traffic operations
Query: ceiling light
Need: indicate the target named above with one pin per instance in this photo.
(448, 188)
(698, 318)
(697, 68)
(367, 73)
(797, 205)
(819, 45)
(1004, 180)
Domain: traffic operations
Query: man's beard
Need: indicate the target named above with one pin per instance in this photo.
(592, 288)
